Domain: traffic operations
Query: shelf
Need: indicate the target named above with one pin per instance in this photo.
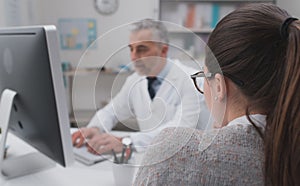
(89, 71)
(82, 117)
(195, 30)
(209, 1)
(82, 71)
(193, 21)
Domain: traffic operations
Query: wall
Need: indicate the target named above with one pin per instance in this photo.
(2, 15)
(84, 95)
(292, 6)
(19, 12)
(129, 10)
(49, 11)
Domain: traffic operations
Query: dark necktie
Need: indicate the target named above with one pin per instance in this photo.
(150, 86)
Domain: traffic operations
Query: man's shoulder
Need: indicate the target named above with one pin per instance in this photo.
(180, 67)
(128, 81)
(134, 77)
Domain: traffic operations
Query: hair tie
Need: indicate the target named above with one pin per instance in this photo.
(284, 27)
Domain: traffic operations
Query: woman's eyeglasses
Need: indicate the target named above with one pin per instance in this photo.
(199, 82)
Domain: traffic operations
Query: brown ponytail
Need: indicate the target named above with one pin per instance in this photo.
(282, 142)
(249, 45)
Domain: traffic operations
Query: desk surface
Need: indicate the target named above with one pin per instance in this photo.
(76, 175)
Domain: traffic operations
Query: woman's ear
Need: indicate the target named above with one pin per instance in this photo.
(220, 87)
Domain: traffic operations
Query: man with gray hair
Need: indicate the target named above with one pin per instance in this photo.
(159, 94)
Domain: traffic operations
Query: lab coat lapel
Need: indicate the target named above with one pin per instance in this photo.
(168, 83)
(145, 90)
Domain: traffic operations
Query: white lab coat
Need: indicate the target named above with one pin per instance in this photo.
(177, 103)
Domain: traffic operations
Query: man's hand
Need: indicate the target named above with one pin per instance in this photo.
(83, 134)
(102, 143)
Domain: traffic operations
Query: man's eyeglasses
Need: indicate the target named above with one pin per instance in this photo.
(199, 83)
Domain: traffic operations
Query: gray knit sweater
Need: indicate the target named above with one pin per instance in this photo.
(232, 155)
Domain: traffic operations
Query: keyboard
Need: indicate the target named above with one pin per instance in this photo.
(84, 156)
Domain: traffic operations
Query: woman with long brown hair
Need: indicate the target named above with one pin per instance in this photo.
(253, 94)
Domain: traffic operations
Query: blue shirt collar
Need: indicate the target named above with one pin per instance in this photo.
(164, 72)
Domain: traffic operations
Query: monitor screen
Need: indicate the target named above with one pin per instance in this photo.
(30, 66)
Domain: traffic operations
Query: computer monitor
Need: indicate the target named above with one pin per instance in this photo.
(33, 99)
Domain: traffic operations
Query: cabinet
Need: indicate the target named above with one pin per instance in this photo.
(191, 21)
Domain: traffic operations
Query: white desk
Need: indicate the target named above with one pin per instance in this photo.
(76, 175)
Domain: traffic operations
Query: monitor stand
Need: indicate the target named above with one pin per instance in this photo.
(19, 165)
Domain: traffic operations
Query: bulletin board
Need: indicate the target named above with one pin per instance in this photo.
(77, 34)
